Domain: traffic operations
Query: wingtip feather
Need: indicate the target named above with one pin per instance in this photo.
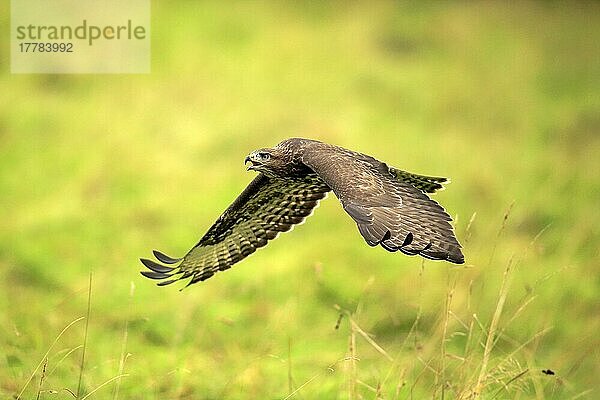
(154, 275)
(162, 257)
(154, 266)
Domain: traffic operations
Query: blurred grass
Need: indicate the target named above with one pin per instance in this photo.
(96, 170)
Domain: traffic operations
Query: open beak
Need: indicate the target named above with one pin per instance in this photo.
(249, 160)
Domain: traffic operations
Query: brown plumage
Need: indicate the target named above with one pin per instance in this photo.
(389, 206)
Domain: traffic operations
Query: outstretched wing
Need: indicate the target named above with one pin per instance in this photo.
(265, 208)
(387, 210)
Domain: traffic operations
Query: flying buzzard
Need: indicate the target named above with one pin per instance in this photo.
(390, 208)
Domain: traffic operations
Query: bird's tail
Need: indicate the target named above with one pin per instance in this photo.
(427, 184)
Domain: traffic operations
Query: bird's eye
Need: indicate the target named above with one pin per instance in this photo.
(264, 156)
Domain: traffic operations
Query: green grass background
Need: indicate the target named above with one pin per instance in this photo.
(97, 170)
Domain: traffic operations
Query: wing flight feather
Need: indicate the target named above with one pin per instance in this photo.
(388, 210)
(267, 207)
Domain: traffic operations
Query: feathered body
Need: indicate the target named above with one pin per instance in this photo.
(390, 207)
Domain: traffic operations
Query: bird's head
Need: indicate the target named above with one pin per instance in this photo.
(269, 161)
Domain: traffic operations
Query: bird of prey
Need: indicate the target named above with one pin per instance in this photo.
(390, 207)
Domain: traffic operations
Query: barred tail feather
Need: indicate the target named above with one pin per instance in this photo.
(426, 184)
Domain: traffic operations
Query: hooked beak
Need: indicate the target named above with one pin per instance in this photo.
(249, 160)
